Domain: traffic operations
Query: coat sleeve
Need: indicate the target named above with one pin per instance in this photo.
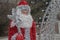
(33, 31)
(12, 31)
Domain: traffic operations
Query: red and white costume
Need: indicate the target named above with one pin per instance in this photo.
(25, 23)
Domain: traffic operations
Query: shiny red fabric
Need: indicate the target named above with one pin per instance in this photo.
(13, 30)
(19, 37)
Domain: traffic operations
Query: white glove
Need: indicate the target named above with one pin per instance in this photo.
(9, 16)
(12, 17)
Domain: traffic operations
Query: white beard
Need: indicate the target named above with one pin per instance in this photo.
(25, 21)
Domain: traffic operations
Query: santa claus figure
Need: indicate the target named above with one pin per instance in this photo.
(22, 23)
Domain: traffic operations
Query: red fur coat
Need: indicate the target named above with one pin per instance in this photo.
(13, 30)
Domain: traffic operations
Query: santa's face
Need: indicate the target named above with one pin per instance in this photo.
(25, 18)
(25, 11)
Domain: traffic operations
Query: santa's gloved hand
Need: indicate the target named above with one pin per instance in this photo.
(11, 17)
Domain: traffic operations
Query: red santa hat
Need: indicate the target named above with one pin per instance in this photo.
(23, 4)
